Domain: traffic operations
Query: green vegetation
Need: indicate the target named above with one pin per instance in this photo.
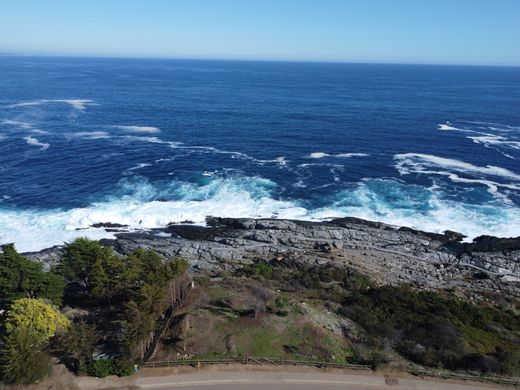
(242, 317)
(20, 277)
(29, 325)
(261, 269)
(438, 331)
(24, 357)
(128, 294)
(36, 316)
(79, 344)
(272, 309)
(427, 328)
(104, 367)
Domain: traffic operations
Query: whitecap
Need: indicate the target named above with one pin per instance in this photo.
(490, 139)
(318, 155)
(139, 129)
(348, 155)
(416, 163)
(130, 171)
(35, 142)
(399, 204)
(23, 125)
(78, 104)
(447, 127)
(340, 155)
(38, 131)
(91, 134)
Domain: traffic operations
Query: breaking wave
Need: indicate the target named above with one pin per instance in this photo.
(141, 204)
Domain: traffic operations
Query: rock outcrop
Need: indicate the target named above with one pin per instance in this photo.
(485, 267)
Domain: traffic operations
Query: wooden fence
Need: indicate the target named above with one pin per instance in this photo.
(256, 361)
(270, 361)
(466, 377)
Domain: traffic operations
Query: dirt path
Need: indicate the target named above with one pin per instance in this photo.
(293, 380)
(235, 377)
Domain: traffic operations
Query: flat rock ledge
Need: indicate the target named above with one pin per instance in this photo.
(484, 268)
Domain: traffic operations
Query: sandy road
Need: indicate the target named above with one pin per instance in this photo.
(265, 380)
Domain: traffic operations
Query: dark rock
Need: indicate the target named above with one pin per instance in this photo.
(185, 222)
(493, 244)
(481, 275)
(108, 225)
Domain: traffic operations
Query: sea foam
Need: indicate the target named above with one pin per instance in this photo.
(139, 129)
(143, 205)
(78, 104)
(33, 230)
(35, 142)
(418, 163)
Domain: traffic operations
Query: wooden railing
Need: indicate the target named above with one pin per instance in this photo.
(256, 361)
(467, 377)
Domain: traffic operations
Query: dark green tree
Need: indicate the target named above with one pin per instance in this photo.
(141, 316)
(24, 359)
(79, 258)
(149, 267)
(108, 277)
(80, 343)
(21, 277)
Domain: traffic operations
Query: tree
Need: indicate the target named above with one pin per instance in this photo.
(80, 342)
(21, 277)
(24, 359)
(107, 277)
(79, 258)
(36, 316)
(141, 319)
(149, 267)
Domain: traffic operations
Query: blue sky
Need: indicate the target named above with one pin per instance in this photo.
(407, 31)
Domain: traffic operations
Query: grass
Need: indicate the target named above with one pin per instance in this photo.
(283, 331)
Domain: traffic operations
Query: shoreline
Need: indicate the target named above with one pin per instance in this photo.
(430, 261)
(457, 239)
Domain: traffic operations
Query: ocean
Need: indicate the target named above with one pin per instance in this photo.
(145, 143)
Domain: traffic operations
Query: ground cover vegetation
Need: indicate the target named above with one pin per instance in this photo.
(97, 312)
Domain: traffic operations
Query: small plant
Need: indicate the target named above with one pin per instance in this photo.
(259, 269)
(104, 367)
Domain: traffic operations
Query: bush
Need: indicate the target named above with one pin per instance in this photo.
(259, 269)
(36, 316)
(104, 367)
(24, 359)
(433, 330)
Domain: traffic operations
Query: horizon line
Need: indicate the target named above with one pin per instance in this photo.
(238, 59)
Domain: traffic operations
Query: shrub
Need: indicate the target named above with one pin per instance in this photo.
(24, 359)
(434, 330)
(36, 316)
(104, 367)
(259, 269)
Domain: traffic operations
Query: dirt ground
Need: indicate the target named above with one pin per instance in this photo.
(250, 376)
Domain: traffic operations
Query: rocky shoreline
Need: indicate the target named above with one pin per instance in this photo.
(486, 268)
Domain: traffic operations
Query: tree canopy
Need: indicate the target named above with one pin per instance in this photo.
(21, 277)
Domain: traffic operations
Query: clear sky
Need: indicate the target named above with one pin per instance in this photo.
(408, 31)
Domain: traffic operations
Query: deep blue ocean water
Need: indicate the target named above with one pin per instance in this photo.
(148, 142)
